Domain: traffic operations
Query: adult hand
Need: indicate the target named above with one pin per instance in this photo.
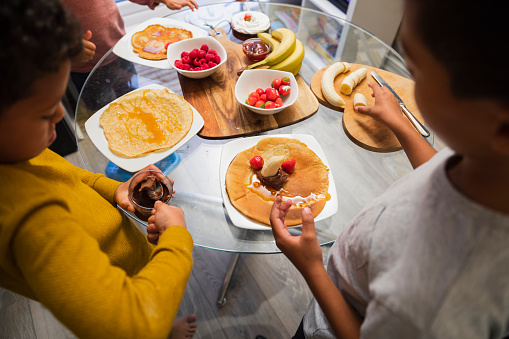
(386, 108)
(304, 250)
(88, 51)
(178, 4)
(163, 216)
(122, 192)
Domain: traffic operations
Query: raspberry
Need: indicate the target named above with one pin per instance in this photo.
(212, 51)
(183, 55)
(194, 53)
(211, 64)
(204, 47)
(217, 59)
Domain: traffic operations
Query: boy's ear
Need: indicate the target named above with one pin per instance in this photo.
(501, 139)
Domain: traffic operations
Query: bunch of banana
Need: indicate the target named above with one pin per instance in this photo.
(287, 51)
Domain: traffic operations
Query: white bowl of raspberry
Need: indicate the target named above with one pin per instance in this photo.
(196, 58)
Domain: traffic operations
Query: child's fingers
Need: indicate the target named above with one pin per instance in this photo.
(153, 238)
(87, 35)
(308, 223)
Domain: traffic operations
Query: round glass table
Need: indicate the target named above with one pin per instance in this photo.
(360, 175)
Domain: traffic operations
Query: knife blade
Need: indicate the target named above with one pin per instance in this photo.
(417, 124)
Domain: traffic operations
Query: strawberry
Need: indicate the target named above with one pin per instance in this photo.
(276, 83)
(271, 93)
(284, 90)
(288, 165)
(247, 17)
(256, 162)
(285, 81)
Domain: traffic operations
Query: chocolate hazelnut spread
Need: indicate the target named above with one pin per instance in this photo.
(140, 194)
(276, 181)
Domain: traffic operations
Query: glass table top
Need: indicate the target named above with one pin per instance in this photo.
(360, 175)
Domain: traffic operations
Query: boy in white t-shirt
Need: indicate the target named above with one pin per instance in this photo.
(429, 258)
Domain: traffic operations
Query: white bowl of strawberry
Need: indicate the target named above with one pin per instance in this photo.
(196, 58)
(266, 91)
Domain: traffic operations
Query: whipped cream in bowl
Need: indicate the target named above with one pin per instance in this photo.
(259, 22)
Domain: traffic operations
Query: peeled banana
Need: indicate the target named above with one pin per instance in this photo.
(286, 46)
(271, 165)
(359, 100)
(352, 80)
(327, 83)
(293, 60)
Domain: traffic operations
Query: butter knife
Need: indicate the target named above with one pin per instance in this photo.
(420, 127)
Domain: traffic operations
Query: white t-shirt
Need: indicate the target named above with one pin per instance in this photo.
(422, 261)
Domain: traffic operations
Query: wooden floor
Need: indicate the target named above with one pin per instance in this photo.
(267, 296)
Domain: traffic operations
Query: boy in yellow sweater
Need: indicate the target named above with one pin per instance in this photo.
(63, 242)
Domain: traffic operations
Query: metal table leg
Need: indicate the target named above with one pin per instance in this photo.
(221, 300)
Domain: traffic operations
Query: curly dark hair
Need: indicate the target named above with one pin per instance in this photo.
(469, 38)
(37, 36)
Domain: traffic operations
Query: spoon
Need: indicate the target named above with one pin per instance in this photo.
(157, 193)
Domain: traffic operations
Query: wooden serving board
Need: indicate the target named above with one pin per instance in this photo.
(362, 129)
(214, 98)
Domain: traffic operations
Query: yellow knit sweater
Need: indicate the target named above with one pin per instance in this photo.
(65, 244)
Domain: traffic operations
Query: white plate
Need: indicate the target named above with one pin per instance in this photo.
(124, 48)
(96, 134)
(230, 151)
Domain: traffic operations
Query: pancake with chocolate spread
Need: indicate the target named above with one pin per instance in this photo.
(150, 43)
(253, 196)
(146, 120)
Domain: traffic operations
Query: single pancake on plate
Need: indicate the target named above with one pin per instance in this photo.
(146, 120)
(307, 185)
(150, 43)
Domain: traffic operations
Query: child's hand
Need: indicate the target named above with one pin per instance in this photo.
(386, 108)
(122, 193)
(178, 4)
(88, 51)
(304, 250)
(163, 216)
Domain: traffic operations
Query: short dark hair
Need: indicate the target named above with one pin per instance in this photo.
(37, 36)
(469, 38)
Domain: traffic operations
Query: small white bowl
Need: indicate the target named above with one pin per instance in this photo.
(252, 79)
(175, 50)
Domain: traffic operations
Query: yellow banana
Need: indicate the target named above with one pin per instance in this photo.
(327, 83)
(296, 70)
(285, 48)
(269, 40)
(293, 60)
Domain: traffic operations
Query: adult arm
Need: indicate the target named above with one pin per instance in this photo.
(171, 4)
(73, 278)
(305, 253)
(387, 111)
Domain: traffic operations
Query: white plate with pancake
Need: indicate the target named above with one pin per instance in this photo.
(124, 48)
(230, 151)
(96, 134)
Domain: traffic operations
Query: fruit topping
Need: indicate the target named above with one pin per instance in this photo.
(256, 162)
(288, 165)
(247, 17)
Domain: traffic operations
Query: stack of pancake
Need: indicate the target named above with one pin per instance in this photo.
(146, 120)
(307, 186)
(150, 43)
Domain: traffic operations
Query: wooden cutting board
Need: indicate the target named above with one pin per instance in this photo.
(362, 129)
(214, 98)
